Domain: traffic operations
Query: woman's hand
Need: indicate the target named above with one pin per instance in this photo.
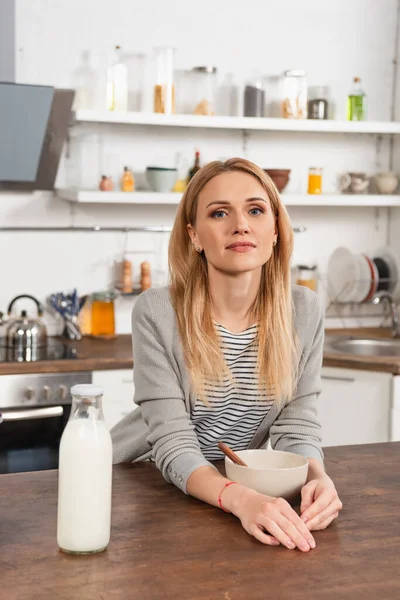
(320, 503)
(272, 521)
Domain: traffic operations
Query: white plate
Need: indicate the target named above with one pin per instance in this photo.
(364, 281)
(343, 275)
(394, 267)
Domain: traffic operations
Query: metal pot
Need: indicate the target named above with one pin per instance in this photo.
(24, 332)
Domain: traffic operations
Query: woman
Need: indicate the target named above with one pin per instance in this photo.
(231, 352)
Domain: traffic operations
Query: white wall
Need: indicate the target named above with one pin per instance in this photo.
(332, 40)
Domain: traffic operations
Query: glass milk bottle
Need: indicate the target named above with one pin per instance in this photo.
(85, 474)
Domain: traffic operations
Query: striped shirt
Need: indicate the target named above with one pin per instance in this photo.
(236, 408)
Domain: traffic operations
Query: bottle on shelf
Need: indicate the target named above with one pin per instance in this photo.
(85, 475)
(357, 102)
(127, 181)
(85, 84)
(117, 83)
(145, 276)
(181, 183)
(196, 167)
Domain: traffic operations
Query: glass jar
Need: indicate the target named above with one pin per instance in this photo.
(204, 82)
(294, 102)
(103, 314)
(307, 276)
(183, 92)
(84, 160)
(85, 475)
(254, 98)
(314, 180)
(135, 63)
(164, 90)
(318, 105)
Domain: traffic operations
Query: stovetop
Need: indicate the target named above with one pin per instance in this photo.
(54, 350)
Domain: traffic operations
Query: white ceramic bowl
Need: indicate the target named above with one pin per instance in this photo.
(161, 179)
(271, 472)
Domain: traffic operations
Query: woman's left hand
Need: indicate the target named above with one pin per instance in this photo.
(320, 503)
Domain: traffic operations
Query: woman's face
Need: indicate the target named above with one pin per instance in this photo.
(235, 225)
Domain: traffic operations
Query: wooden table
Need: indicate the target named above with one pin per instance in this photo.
(166, 545)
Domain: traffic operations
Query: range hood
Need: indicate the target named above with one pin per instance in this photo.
(34, 126)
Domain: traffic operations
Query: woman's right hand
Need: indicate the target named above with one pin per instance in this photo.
(270, 520)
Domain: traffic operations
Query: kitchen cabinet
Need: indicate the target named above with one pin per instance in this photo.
(118, 393)
(395, 411)
(355, 407)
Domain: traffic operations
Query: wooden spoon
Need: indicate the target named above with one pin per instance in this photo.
(231, 454)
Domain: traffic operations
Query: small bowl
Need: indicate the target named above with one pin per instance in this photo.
(161, 179)
(271, 472)
(280, 177)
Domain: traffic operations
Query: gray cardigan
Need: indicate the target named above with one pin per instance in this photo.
(161, 427)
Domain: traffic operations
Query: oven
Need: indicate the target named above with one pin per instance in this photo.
(35, 409)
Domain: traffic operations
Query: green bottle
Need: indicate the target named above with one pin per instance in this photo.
(357, 102)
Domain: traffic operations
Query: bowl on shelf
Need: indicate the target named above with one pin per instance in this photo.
(161, 179)
(280, 177)
(271, 472)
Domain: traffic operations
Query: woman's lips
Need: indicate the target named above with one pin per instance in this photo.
(241, 247)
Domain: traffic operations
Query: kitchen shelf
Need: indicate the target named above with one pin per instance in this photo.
(242, 123)
(147, 198)
(98, 197)
(343, 200)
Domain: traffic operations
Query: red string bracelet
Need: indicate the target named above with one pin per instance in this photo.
(221, 492)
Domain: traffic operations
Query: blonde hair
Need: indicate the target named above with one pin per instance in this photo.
(191, 298)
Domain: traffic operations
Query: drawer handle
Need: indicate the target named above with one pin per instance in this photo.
(333, 378)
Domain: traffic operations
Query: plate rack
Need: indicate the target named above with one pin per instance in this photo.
(336, 308)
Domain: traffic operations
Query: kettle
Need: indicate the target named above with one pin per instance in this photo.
(24, 332)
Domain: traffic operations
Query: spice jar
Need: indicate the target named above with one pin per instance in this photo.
(318, 105)
(294, 103)
(164, 91)
(204, 81)
(103, 314)
(307, 276)
(106, 184)
(314, 180)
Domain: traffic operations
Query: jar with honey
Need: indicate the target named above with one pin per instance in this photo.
(103, 314)
(307, 276)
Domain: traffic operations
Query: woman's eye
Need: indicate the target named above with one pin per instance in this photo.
(218, 214)
(256, 211)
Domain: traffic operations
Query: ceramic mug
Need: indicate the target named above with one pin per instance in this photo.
(354, 183)
(386, 182)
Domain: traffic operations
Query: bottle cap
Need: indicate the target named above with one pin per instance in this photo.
(87, 389)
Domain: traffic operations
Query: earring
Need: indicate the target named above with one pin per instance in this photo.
(198, 249)
(274, 243)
